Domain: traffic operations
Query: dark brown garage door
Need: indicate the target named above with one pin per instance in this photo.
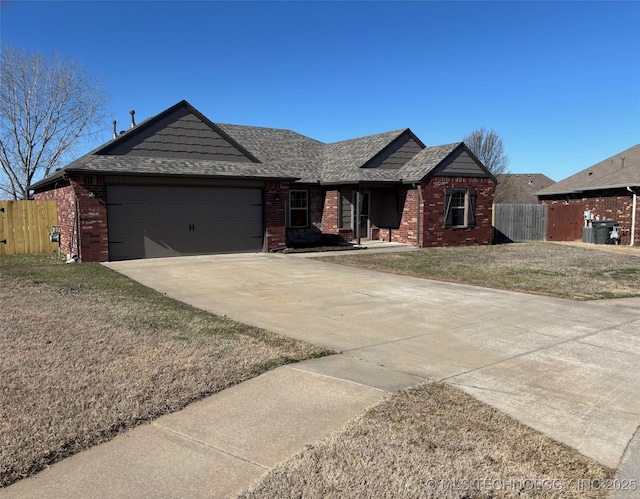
(154, 221)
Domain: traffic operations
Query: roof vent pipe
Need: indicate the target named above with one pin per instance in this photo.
(133, 122)
(622, 158)
(115, 133)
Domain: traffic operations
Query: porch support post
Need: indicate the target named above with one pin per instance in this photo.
(358, 214)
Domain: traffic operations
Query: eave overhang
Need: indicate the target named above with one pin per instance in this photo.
(633, 185)
(64, 175)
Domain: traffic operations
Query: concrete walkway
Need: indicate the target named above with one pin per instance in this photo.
(568, 369)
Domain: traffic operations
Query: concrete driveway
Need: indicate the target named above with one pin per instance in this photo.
(569, 369)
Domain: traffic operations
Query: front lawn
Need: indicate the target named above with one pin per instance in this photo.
(86, 353)
(435, 441)
(574, 271)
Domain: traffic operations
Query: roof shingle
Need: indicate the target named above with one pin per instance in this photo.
(273, 153)
(613, 172)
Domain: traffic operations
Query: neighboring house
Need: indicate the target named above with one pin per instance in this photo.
(520, 188)
(179, 184)
(607, 190)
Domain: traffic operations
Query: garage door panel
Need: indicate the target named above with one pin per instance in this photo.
(153, 221)
(155, 195)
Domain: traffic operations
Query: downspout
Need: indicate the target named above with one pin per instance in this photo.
(77, 216)
(633, 215)
(75, 233)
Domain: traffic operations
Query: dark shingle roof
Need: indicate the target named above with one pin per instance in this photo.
(188, 167)
(272, 153)
(607, 174)
(273, 145)
(520, 188)
(340, 158)
(425, 161)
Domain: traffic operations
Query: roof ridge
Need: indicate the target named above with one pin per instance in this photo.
(389, 132)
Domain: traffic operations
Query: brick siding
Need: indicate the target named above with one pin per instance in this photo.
(91, 195)
(407, 232)
(275, 214)
(608, 205)
(431, 205)
(90, 228)
(65, 197)
(433, 232)
(330, 212)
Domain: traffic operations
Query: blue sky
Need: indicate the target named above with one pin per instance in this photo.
(559, 81)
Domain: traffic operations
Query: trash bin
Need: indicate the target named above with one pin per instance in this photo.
(602, 229)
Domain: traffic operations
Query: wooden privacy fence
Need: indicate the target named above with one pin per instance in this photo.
(565, 222)
(520, 222)
(25, 227)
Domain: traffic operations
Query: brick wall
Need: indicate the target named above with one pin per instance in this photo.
(65, 197)
(90, 228)
(330, 212)
(433, 232)
(407, 232)
(609, 205)
(430, 201)
(275, 214)
(91, 193)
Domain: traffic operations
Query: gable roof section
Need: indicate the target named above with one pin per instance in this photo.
(397, 153)
(448, 160)
(426, 161)
(179, 132)
(608, 174)
(347, 160)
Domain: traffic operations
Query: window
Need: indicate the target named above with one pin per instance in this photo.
(298, 209)
(460, 208)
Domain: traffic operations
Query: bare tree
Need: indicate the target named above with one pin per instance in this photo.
(46, 105)
(487, 146)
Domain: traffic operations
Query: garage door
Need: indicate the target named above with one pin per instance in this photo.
(154, 221)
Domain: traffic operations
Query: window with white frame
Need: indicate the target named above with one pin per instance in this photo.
(298, 209)
(460, 208)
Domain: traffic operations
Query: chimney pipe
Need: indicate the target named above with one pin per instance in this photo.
(133, 122)
(115, 133)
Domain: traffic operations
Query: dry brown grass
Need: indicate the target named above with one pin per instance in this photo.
(435, 441)
(86, 353)
(575, 271)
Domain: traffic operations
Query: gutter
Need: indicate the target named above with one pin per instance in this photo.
(587, 189)
(59, 175)
(63, 175)
(330, 183)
